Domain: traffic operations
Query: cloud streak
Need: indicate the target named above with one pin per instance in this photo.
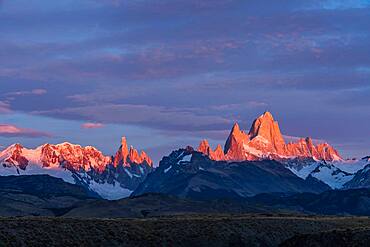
(9, 130)
(4, 107)
(38, 91)
(92, 125)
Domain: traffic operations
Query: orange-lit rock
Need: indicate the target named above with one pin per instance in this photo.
(265, 135)
(122, 153)
(234, 146)
(265, 141)
(145, 157)
(218, 154)
(204, 147)
(17, 157)
(126, 156)
(73, 157)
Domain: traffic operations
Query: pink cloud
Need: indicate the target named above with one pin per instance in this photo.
(9, 130)
(92, 125)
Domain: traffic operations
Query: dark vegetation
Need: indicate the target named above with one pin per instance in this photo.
(69, 216)
(190, 230)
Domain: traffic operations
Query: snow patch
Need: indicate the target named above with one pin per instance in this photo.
(109, 191)
(167, 169)
(253, 151)
(332, 176)
(128, 173)
(304, 171)
(33, 169)
(186, 158)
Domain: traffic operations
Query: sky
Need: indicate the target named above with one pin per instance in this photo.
(168, 73)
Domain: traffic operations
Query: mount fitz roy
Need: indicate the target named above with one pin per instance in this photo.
(104, 176)
(252, 163)
(258, 161)
(265, 141)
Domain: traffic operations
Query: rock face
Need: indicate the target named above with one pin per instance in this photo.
(265, 141)
(218, 154)
(111, 178)
(127, 157)
(191, 174)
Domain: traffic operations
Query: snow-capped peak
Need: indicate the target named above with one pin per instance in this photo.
(77, 164)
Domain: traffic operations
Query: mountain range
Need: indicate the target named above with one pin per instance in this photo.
(265, 141)
(111, 177)
(250, 163)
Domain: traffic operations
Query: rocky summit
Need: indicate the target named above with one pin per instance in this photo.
(265, 141)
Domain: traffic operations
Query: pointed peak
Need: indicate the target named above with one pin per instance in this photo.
(189, 149)
(18, 145)
(309, 141)
(235, 127)
(266, 116)
(11, 148)
(204, 147)
(218, 154)
(235, 131)
(144, 157)
(123, 141)
(219, 148)
(204, 142)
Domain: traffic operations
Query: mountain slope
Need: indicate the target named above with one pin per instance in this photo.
(111, 178)
(361, 178)
(331, 175)
(333, 202)
(39, 195)
(190, 174)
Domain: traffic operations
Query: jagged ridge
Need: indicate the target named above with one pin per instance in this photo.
(111, 177)
(265, 141)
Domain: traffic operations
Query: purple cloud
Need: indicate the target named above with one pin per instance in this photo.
(190, 67)
(4, 107)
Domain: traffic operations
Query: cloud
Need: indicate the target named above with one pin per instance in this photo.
(92, 125)
(189, 66)
(9, 130)
(159, 117)
(38, 91)
(289, 138)
(4, 107)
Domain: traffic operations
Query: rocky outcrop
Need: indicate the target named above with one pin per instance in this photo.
(217, 154)
(127, 157)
